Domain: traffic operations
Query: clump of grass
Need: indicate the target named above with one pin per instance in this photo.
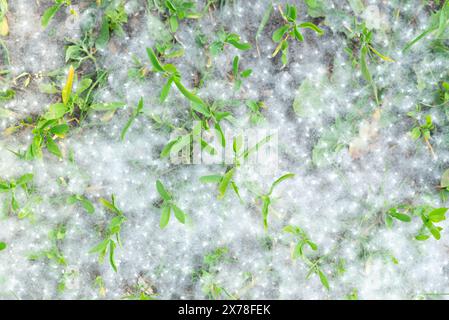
(54, 254)
(224, 38)
(112, 233)
(168, 205)
(239, 75)
(299, 251)
(291, 28)
(12, 186)
(172, 74)
(429, 216)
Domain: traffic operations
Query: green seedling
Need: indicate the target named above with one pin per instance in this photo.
(172, 74)
(83, 201)
(168, 205)
(114, 18)
(429, 216)
(423, 130)
(180, 143)
(256, 108)
(54, 254)
(438, 26)
(291, 28)
(137, 111)
(208, 272)
(74, 107)
(302, 242)
(112, 233)
(179, 10)
(266, 198)
(224, 38)
(79, 51)
(226, 179)
(11, 187)
(51, 11)
(364, 38)
(239, 75)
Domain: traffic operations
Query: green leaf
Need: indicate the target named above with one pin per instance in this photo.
(101, 247)
(112, 246)
(103, 37)
(162, 191)
(173, 20)
(167, 148)
(445, 179)
(244, 46)
(438, 215)
(2, 246)
(265, 207)
(87, 205)
(179, 214)
(49, 14)
(279, 33)
(279, 180)
(312, 26)
(166, 89)
(26, 178)
(246, 73)
(223, 186)
(165, 217)
(422, 237)
(56, 111)
(235, 66)
(59, 129)
(154, 61)
(53, 147)
(189, 95)
(323, 279)
(215, 178)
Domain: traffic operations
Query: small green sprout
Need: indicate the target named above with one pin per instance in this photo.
(266, 198)
(363, 37)
(83, 201)
(138, 111)
(114, 18)
(208, 271)
(172, 74)
(304, 241)
(167, 206)
(54, 254)
(79, 51)
(429, 216)
(226, 179)
(51, 11)
(255, 108)
(112, 236)
(290, 29)
(423, 130)
(239, 75)
(11, 186)
(179, 10)
(224, 38)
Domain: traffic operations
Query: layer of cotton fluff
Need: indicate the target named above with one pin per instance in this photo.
(338, 202)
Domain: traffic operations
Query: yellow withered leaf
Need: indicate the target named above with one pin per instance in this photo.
(4, 27)
(68, 86)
